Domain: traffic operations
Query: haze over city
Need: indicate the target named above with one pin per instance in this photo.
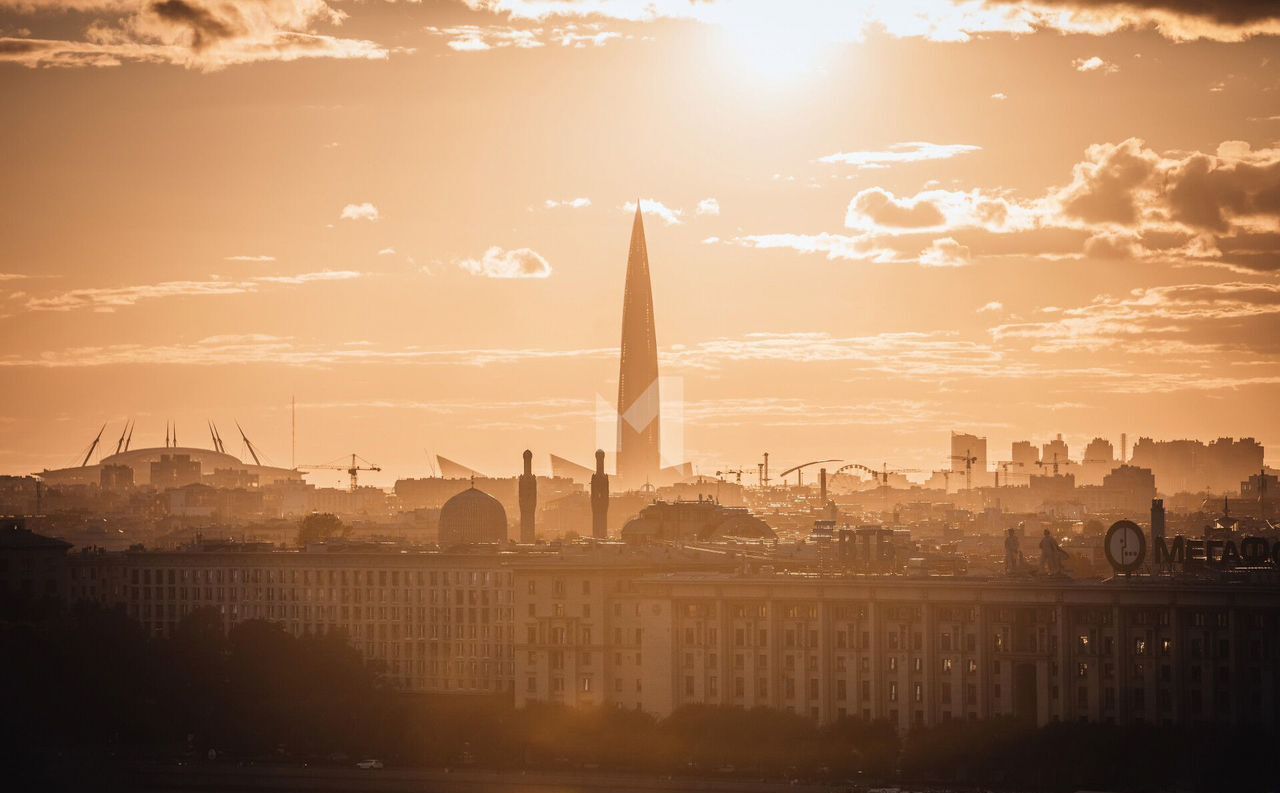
(869, 224)
(640, 395)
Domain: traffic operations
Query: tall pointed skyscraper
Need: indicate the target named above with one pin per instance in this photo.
(639, 458)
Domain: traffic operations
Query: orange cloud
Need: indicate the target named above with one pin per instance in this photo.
(198, 34)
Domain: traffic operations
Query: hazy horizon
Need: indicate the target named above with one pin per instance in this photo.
(868, 225)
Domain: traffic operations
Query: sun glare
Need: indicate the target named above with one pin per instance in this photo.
(774, 52)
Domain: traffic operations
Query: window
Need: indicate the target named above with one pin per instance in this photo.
(893, 692)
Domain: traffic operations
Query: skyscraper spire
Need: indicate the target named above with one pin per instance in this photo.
(639, 446)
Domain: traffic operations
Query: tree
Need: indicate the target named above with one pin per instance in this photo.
(321, 526)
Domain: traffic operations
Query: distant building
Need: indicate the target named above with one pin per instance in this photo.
(1192, 466)
(970, 447)
(1055, 452)
(32, 566)
(181, 467)
(174, 470)
(639, 460)
(1099, 460)
(115, 477)
(693, 521)
(1025, 455)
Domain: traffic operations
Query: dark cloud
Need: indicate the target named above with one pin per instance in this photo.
(200, 34)
(205, 26)
(884, 209)
(1105, 187)
(1235, 13)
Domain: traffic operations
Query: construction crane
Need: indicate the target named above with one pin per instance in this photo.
(1042, 463)
(968, 459)
(737, 472)
(353, 470)
(946, 479)
(799, 470)
(1004, 466)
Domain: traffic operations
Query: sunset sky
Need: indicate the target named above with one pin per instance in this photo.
(869, 223)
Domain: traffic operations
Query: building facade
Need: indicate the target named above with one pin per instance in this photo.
(926, 651)
(657, 627)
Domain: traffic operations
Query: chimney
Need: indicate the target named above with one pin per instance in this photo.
(822, 487)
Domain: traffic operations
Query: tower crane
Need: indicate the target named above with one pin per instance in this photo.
(1004, 466)
(946, 479)
(799, 470)
(1042, 463)
(968, 459)
(353, 470)
(737, 472)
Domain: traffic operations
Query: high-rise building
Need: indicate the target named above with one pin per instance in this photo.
(1055, 452)
(1193, 466)
(969, 456)
(1026, 455)
(639, 455)
(1099, 460)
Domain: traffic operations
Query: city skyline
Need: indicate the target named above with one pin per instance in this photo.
(1008, 221)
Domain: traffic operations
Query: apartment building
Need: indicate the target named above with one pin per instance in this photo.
(925, 651)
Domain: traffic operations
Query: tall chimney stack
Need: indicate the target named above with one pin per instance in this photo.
(822, 487)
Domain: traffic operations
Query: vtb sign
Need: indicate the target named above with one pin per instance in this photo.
(1125, 546)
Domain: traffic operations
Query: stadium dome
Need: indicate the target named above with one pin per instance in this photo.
(472, 516)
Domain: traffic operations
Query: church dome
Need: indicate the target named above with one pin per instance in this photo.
(472, 516)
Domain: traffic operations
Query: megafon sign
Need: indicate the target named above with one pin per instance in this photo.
(1125, 547)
